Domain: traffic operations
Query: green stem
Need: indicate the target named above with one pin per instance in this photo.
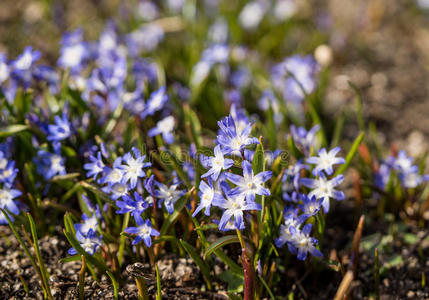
(123, 239)
(377, 275)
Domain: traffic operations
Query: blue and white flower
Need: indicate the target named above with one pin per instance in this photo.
(249, 184)
(165, 128)
(325, 161)
(144, 231)
(324, 189)
(217, 163)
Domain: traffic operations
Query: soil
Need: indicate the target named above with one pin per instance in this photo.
(181, 279)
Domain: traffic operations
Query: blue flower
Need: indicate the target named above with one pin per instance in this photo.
(233, 206)
(144, 231)
(323, 189)
(115, 174)
(7, 196)
(249, 184)
(291, 220)
(292, 176)
(116, 190)
(241, 78)
(412, 179)
(217, 163)
(165, 128)
(60, 130)
(74, 51)
(146, 38)
(156, 102)
(89, 223)
(207, 195)
(135, 206)
(23, 64)
(149, 185)
(89, 242)
(239, 115)
(168, 195)
(95, 167)
(304, 140)
(302, 243)
(8, 171)
(217, 53)
(269, 100)
(232, 140)
(310, 205)
(295, 77)
(382, 176)
(403, 163)
(48, 76)
(133, 168)
(49, 164)
(325, 161)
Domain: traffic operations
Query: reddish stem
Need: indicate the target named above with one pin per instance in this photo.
(249, 276)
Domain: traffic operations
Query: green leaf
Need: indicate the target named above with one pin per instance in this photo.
(65, 176)
(43, 270)
(235, 282)
(70, 259)
(351, 154)
(225, 240)
(177, 209)
(394, 261)
(114, 283)
(96, 191)
(204, 268)
(258, 164)
(12, 129)
(410, 238)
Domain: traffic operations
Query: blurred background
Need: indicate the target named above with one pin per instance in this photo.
(381, 46)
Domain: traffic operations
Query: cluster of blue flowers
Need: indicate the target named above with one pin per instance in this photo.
(294, 232)
(126, 181)
(87, 232)
(401, 166)
(233, 193)
(49, 160)
(8, 193)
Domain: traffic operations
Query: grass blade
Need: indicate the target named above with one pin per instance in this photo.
(114, 283)
(351, 154)
(42, 267)
(267, 287)
(225, 240)
(123, 239)
(70, 259)
(26, 250)
(158, 283)
(12, 129)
